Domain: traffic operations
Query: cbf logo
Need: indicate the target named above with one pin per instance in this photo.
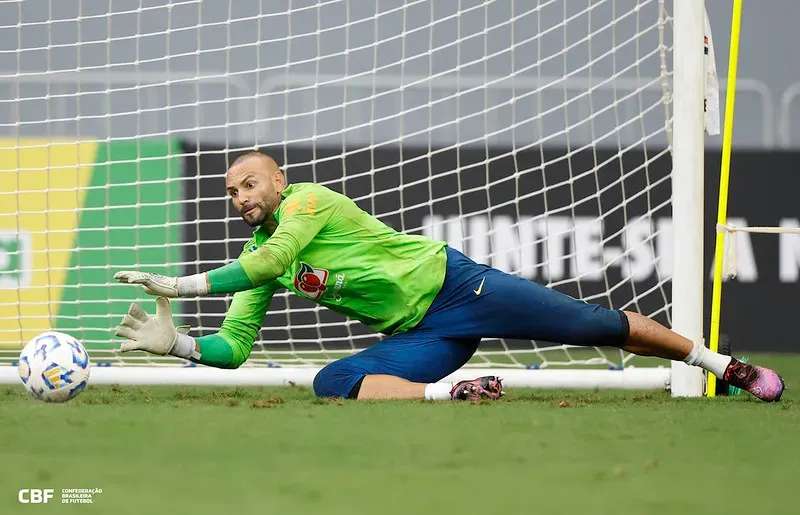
(310, 281)
(35, 495)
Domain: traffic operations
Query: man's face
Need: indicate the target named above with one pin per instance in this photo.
(255, 187)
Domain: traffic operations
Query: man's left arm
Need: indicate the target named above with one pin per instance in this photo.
(301, 217)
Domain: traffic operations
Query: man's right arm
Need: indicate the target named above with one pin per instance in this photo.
(231, 345)
(227, 348)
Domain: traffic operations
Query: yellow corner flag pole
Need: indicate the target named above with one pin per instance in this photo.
(722, 212)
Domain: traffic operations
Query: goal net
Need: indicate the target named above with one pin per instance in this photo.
(532, 136)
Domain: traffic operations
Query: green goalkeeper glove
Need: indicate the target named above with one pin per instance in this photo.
(156, 335)
(164, 286)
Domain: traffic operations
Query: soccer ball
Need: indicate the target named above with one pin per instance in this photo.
(54, 367)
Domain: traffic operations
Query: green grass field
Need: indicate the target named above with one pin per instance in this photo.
(264, 451)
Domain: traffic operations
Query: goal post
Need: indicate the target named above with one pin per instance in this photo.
(688, 152)
(559, 142)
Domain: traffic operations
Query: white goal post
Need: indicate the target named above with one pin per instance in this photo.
(560, 141)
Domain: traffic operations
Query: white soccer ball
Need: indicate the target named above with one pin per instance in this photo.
(54, 367)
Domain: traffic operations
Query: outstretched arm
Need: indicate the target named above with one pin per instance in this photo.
(301, 219)
(227, 348)
(231, 345)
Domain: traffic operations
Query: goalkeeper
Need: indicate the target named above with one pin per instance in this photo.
(433, 303)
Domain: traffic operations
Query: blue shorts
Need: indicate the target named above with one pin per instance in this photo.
(475, 302)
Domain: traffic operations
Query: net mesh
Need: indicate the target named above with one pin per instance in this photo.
(531, 135)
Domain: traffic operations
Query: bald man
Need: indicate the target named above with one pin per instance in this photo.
(433, 303)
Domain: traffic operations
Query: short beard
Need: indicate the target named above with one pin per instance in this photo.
(257, 222)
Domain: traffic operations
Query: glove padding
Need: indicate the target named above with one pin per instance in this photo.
(156, 335)
(152, 284)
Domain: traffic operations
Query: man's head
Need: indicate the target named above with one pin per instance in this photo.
(255, 184)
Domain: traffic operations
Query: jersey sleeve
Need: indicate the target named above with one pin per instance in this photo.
(231, 345)
(301, 216)
(244, 319)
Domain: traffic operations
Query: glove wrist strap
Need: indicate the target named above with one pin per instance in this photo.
(185, 347)
(193, 285)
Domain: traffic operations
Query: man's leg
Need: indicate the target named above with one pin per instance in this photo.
(405, 366)
(500, 305)
(382, 387)
(649, 338)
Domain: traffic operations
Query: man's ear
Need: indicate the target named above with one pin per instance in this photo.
(280, 181)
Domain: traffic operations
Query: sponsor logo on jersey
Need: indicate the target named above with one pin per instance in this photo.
(311, 281)
(333, 294)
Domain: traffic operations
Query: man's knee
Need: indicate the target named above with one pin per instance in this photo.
(596, 326)
(337, 379)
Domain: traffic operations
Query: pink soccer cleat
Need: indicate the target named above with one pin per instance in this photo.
(762, 382)
(490, 387)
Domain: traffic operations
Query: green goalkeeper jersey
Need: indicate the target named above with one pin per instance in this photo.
(327, 249)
